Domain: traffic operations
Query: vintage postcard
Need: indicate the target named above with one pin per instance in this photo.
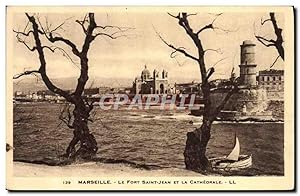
(150, 98)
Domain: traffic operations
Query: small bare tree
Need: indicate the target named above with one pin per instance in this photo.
(278, 43)
(197, 140)
(82, 108)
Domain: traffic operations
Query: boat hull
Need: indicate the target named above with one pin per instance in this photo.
(221, 163)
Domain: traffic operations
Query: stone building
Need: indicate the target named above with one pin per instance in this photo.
(251, 101)
(273, 81)
(187, 88)
(248, 65)
(91, 92)
(151, 84)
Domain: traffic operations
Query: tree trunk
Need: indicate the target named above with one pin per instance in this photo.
(196, 143)
(88, 145)
(195, 150)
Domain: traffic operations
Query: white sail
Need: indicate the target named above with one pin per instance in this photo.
(234, 155)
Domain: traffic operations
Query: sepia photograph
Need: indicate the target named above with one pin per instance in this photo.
(150, 98)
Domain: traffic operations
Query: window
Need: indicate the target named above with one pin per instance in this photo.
(262, 78)
(279, 78)
(274, 78)
(268, 78)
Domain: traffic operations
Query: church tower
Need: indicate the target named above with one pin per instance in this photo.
(145, 75)
(248, 66)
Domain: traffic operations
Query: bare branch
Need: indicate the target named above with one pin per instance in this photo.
(234, 89)
(82, 26)
(65, 54)
(18, 33)
(66, 116)
(184, 23)
(112, 27)
(48, 26)
(278, 32)
(23, 33)
(25, 44)
(210, 72)
(178, 16)
(66, 41)
(42, 69)
(193, 14)
(60, 26)
(114, 35)
(225, 30)
(218, 61)
(49, 34)
(25, 73)
(209, 26)
(81, 23)
(263, 40)
(274, 61)
(177, 49)
(52, 48)
(44, 32)
(219, 51)
(122, 30)
(263, 22)
(27, 24)
(174, 54)
(108, 35)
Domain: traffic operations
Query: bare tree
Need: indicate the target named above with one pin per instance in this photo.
(271, 42)
(197, 140)
(82, 108)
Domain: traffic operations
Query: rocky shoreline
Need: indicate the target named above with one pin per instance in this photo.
(273, 113)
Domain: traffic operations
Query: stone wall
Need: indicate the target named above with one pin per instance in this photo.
(277, 108)
(249, 103)
(245, 101)
(275, 95)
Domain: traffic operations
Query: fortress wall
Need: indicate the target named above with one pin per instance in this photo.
(275, 95)
(246, 100)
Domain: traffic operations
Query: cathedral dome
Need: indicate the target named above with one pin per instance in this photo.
(145, 74)
(145, 71)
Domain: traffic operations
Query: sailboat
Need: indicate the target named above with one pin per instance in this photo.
(234, 161)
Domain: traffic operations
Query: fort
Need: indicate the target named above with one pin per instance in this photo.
(260, 95)
(257, 93)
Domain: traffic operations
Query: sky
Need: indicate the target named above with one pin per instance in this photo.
(125, 57)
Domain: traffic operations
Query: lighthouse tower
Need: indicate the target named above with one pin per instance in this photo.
(248, 66)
